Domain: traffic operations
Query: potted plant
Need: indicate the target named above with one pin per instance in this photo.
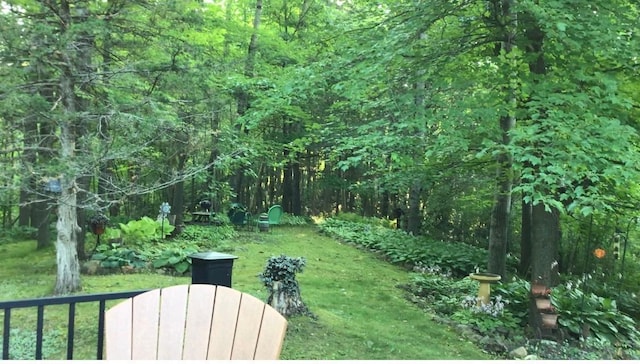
(543, 303)
(279, 277)
(98, 223)
(540, 289)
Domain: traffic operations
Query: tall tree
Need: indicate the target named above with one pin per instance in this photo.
(95, 114)
(505, 23)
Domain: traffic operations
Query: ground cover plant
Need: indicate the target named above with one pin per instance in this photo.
(146, 248)
(401, 248)
(359, 310)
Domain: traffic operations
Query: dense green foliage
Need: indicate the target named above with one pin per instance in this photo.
(143, 230)
(16, 234)
(507, 315)
(282, 269)
(397, 246)
(579, 309)
(143, 248)
(500, 135)
(114, 255)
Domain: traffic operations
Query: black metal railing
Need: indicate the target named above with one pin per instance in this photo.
(71, 301)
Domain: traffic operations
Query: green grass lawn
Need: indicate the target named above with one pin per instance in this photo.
(361, 314)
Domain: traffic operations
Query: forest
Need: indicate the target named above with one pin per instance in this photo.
(510, 125)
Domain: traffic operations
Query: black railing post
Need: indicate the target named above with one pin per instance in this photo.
(5, 333)
(101, 310)
(71, 329)
(39, 331)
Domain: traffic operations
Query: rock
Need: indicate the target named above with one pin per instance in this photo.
(440, 319)
(127, 269)
(548, 342)
(91, 267)
(531, 357)
(469, 334)
(518, 353)
(493, 345)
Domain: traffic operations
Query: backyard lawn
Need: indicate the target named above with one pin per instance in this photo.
(360, 312)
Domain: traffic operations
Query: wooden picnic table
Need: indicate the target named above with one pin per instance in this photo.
(202, 216)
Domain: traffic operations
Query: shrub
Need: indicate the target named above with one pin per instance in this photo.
(206, 236)
(489, 318)
(288, 219)
(516, 293)
(626, 301)
(353, 217)
(17, 233)
(145, 229)
(282, 269)
(443, 294)
(588, 349)
(114, 255)
(175, 258)
(171, 254)
(402, 248)
(579, 309)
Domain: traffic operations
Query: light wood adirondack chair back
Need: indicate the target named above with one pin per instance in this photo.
(193, 322)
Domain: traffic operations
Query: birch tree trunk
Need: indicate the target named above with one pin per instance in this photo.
(68, 274)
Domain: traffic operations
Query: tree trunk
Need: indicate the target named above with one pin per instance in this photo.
(545, 237)
(545, 225)
(68, 276)
(501, 211)
(40, 220)
(41, 209)
(287, 302)
(177, 204)
(414, 218)
(83, 183)
(212, 174)
(24, 217)
(525, 240)
(385, 209)
(242, 95)
(287, 187)
(296, 204)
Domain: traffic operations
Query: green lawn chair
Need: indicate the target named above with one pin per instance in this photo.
(275, 214)
(239, 218)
